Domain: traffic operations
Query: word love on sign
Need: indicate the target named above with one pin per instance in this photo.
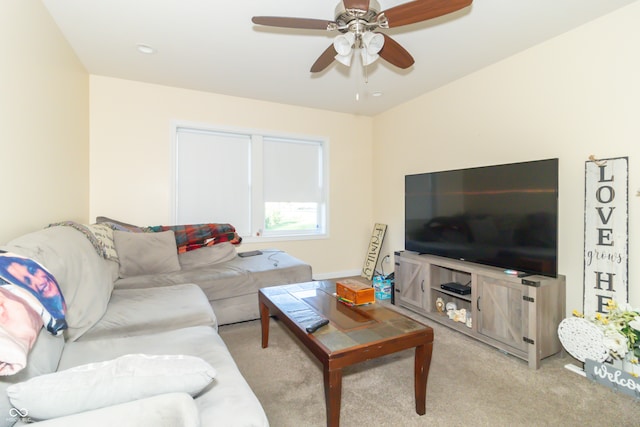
(606, 233)
(606, 374)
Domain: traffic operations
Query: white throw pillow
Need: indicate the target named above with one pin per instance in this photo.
(146, 253)
(98, 385)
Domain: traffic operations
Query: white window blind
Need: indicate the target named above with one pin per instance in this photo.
(213, 178)
(264, 185)
(291, 171)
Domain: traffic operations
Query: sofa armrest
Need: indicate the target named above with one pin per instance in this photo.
(170, 409)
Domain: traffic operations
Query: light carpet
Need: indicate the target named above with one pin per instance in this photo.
(470, 384)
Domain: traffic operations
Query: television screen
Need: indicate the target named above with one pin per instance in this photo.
(504, 216)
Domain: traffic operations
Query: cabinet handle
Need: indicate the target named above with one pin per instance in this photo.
(422, 285)
(478, 304)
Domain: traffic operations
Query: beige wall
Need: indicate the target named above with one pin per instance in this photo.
(569, 98)
(44, 122)
(131, 140)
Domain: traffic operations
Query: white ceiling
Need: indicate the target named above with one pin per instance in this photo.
(212, 46)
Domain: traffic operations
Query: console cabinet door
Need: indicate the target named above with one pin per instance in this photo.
(502, 313)
(411, 278)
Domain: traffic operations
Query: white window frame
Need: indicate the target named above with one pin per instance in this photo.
(256, 188)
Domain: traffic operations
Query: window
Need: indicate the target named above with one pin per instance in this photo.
(265, 185)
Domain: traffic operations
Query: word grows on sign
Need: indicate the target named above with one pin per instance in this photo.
(606, 237)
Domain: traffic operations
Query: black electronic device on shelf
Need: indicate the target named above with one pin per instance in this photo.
(457, 288)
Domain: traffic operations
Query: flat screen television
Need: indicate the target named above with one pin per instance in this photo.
(504, 215)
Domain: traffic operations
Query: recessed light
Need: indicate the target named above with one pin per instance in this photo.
(376, 94)
(146, 49)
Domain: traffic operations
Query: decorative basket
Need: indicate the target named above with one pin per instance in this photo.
(582, 339)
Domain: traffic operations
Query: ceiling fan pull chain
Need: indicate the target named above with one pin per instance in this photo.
(366, 74)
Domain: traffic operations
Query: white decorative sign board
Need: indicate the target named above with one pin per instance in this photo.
(606, 236)
(373, 252)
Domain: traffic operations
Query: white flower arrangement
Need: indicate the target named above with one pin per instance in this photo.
(621, 328)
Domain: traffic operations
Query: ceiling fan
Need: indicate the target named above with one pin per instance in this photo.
(356, 20)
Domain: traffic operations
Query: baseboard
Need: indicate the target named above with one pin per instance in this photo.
(336, 274)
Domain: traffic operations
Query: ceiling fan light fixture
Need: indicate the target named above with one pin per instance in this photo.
(343, 43)
(357, 19)
(368, 59)
(344, 59)
(372, 42)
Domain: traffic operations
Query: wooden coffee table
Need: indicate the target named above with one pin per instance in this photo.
(354, 334)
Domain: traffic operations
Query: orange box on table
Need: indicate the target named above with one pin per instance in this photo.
(355, 291)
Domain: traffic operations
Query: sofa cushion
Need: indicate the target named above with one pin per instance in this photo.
(165, 410)
(85, 278)
(146, 253)
(201, 257)
(228, 401)
(142, 311)
(102, 384)
(84, 229)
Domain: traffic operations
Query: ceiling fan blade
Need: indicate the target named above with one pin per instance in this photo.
(395, 54)
(324, 60)
(421, 10)
(356, 4)
(303, 23)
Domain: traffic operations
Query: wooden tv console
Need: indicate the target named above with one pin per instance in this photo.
(517, 315)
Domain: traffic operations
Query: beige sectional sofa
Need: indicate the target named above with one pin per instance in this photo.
(128, 336)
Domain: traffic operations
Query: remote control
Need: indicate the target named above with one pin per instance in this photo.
(317, 325)
(249, 253)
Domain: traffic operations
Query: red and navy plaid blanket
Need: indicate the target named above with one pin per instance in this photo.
(194, 236)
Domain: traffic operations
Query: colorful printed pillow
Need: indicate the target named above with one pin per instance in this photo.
(34, 284)
(19, 328)
(29, 298)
